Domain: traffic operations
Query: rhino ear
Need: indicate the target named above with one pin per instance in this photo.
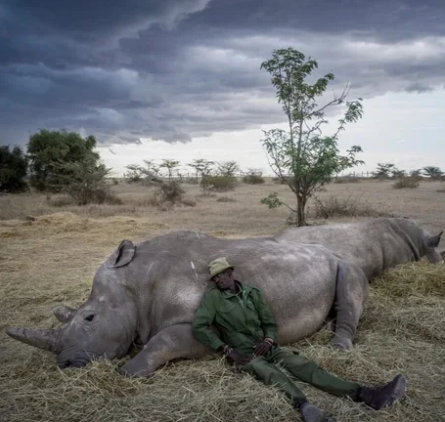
(64, 313)
(124, 254)
(433, 241)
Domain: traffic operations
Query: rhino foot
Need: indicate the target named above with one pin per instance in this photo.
(342, 343)
(134, 371)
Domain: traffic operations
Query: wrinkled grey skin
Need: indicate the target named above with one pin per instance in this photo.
(147, 294)
(374, 245)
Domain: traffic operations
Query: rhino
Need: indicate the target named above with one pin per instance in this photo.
(375, 245)
(146, 294)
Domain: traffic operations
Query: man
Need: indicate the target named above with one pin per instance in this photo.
(248, 337)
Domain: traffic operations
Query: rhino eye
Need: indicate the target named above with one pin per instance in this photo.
(89, 317)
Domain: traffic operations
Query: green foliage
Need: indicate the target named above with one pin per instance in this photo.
(219, 183)
(272, 201)
(84, 181)
(48, 151)
(385, 171)
(13, 166)
(435, 173)
(302, 157)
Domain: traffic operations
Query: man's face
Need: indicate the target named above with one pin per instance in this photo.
(224, 280)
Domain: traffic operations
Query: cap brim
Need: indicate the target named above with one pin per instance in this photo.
(228, 268)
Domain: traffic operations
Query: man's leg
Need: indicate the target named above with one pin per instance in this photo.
(269, 374)
(309, 372)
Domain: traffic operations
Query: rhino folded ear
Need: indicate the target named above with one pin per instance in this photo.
(64, 313)
(124, 254)
(433, 241)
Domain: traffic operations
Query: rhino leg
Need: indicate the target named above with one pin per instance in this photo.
(352, 290)
(174, 342)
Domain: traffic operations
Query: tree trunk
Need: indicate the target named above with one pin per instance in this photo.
(301, 221)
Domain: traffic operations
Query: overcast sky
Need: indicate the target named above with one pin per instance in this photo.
(155, 79)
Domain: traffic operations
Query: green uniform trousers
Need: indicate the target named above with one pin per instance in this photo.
(264, 369)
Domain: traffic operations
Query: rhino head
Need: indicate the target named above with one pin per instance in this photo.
(104, 326)
(430, 248)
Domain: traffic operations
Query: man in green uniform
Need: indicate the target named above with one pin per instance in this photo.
(248, 337)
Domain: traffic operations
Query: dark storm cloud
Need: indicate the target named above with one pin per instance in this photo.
(176, 69)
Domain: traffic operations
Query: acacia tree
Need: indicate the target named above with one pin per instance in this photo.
(302, 157)
(227, 169)
(202, 167)
(435, 173)
(169, 165)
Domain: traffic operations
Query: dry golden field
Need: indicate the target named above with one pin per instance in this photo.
(48, 256)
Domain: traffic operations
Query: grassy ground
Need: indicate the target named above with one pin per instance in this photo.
(48, 255)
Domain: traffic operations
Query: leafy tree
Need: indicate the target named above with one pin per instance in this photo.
(202, 167)
(49, 150)
(435, 173)
(387, 171)
(13, 166)
(84, 180)
(302, 157)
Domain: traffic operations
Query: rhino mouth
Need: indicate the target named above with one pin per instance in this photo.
(79, 360)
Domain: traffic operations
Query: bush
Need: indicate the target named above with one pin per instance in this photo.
(168, 192)
(219, 183)
(253, 179)
(343, 207)
(13, 166)
(406, 182)
(84, 195)
(225, 199)
(347, 179)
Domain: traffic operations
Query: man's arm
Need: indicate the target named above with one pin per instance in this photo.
(204, 317)
(268, 323)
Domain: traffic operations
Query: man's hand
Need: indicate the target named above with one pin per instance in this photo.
(262, 349)
(234, 355)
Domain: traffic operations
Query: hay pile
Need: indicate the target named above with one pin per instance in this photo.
(402, 330)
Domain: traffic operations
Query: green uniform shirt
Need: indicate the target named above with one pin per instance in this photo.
(243, 319)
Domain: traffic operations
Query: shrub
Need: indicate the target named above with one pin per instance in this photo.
(219, 183)
(84, 195)
(225, 199)
(253, 179)
(347, 179)
(343, 207)
(170, 192)
(406, 182)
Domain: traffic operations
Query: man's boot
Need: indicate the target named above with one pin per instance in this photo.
(312, 413)
(382, 396)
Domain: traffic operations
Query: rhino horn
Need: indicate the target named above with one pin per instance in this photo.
(434, 241)
(64, 313)
(42, 339)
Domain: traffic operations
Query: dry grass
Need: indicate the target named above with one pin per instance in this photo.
(48, 260)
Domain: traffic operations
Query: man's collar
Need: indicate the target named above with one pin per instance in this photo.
(228, 293)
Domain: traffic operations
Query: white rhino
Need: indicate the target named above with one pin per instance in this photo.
(148, 293)
(373, 245)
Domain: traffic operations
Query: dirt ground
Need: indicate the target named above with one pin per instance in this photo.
(51, 248)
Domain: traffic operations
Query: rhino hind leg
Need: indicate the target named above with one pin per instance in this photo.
(174, 342)
(352, 290)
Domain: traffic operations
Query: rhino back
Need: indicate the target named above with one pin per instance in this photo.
(298, 281)
(374, 245)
